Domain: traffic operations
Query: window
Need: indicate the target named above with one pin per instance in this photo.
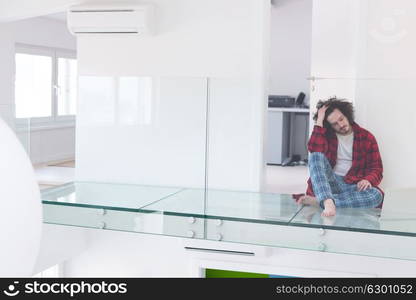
(67, 86)
(33, 86)
(45, 85)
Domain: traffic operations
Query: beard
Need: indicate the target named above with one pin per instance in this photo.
(345, 130)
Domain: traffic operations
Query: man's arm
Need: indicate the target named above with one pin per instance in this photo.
(374, 168)
(318, 141)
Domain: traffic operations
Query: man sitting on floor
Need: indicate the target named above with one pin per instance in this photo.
(345, 164)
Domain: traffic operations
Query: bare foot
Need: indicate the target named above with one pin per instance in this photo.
(329, 208)
(308, 200)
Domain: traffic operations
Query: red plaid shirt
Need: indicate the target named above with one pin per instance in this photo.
(366, 159)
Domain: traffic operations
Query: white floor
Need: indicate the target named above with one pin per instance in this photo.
(49, 176)
(286, 180)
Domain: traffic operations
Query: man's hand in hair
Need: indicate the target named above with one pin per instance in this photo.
(321, 116)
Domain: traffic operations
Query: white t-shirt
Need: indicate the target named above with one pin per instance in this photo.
(344, 155)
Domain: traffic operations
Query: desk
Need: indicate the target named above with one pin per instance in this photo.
(279, 130)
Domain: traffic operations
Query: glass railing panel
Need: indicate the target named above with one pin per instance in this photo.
(108, 199)
(106, 196)
(224, 212)
(235, 148)
(238, 217)
(245, 206)
(249, 207)
(104, 218)
(72, 216)
(142, 130)
(359, 219)
(399, 211)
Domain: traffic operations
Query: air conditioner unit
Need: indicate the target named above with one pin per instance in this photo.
(129, 19)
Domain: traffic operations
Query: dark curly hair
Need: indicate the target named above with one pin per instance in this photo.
(333, 103)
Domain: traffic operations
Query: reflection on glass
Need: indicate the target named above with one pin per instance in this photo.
(102, 195)
(229, 204)
(33, 94)
(155, 127)
(248, 207)
(118, 100)
(97, 100)
(135, 100)
(242, 217)
(357, 218)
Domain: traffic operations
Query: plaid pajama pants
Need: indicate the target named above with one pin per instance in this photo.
(328, 185)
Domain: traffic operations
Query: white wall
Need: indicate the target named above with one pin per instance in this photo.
(335, 38)
(150, 130)
(6, 76)
(219, 39)
(45, 145)
(364, 51)
(49, 145)
(131, 255)
(385, 103)
(335, 48)
(291, 42)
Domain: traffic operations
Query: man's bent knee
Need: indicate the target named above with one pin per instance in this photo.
(376, 196)
(316, 157)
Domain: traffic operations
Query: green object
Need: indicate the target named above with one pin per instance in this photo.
(213, 273)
